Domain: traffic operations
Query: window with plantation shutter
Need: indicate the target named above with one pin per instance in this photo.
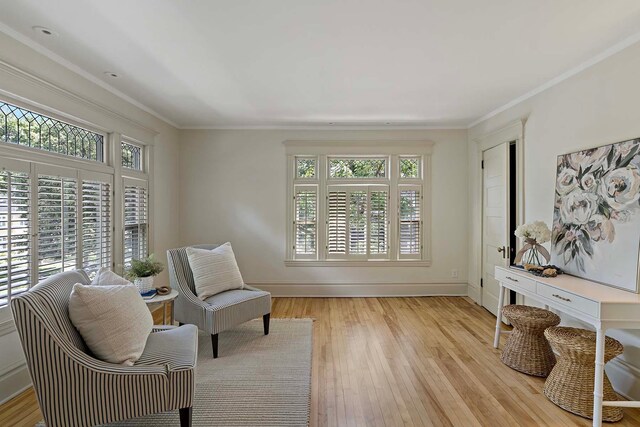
(378, 222)
(136, 221)
(96, 224)
(52, 219)
(410, 208)
(57, 224)
(306, 205)
(358, 203)
(15, 232)
(337, 222)
(357, 222)
(60, 199)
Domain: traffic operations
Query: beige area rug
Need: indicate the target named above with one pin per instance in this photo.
(257, 380)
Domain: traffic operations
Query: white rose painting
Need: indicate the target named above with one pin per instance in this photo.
(596, 220)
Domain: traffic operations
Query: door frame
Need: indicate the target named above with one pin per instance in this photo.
(514, 131)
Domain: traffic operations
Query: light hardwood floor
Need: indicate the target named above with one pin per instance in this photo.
(402, 362)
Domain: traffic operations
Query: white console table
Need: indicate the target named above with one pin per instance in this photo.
(602, 306)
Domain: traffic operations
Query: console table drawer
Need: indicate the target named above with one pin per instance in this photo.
(567, 299)
(515, 279)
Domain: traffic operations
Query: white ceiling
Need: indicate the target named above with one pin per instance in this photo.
(238, 63)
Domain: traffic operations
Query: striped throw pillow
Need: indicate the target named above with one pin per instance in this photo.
(214, 271)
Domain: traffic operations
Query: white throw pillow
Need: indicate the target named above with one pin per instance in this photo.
(114, 321)
(214, 270)
(104, 276)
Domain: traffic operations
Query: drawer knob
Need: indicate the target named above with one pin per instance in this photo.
(512, 279)
(562, 298)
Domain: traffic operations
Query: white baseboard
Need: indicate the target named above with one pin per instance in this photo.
(363, 289)
(14, 381)
(474, 293)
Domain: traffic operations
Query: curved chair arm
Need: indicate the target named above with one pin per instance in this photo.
(99, 392)
(188, 308)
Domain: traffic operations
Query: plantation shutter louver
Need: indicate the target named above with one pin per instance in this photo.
(306, 207)
(378, 222)
(15, 234)
(96, 223)
(136, 221)
(57, 224)
(337, 222)
(358, 222)
(410, 208)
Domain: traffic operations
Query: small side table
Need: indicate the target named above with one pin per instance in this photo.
(164, 300)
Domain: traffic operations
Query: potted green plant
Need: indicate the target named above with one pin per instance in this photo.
(142, 272)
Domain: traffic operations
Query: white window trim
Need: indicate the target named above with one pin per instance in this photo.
(142, 178)
(323, 150)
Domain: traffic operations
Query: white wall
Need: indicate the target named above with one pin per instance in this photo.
(596, 107)
(26, 74)
(233, 188)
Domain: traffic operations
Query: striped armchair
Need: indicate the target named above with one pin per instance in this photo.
(219, 312)
(76, 389)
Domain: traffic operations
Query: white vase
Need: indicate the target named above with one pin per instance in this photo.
(144, 284)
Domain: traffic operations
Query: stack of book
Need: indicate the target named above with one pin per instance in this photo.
(148, 295)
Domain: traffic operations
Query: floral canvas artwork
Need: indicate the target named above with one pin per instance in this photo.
(596, 221)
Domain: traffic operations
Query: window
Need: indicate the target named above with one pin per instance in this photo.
(306, 167)
(57, 225)
(359, 204)
(71, 227)
(357, 222)
(131, 156)
(409, 167)
(306, 207)
(15, 234)
(410, 219)
(58, 212)
(357, 168)
(27, 128)
(96, 223)
(136, 221)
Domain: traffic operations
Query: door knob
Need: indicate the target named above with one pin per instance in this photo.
(503, 250)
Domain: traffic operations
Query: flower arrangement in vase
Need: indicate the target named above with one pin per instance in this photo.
(142, 272)
(534, 235)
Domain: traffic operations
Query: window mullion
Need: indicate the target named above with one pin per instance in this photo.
(79, 220)
(367, 236)
(9, 243)
(35, 225)
(321, 211)
(394, 233)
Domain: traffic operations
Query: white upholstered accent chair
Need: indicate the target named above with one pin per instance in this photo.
(76, 389)
(218, 312)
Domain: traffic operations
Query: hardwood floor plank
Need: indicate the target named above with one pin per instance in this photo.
(401, 362)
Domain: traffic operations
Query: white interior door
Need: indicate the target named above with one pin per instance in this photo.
(495, 220)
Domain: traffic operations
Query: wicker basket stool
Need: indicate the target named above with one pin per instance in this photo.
(527, 350)
(570, 384)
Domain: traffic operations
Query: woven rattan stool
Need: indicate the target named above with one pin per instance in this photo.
(527, 350)
(570, 384)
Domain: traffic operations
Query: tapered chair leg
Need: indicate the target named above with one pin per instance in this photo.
(214, 345)
(185, 417)
(265, 321)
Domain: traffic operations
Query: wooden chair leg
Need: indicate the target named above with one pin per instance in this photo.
(265, 321)
(185, 417)
(214, 345)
